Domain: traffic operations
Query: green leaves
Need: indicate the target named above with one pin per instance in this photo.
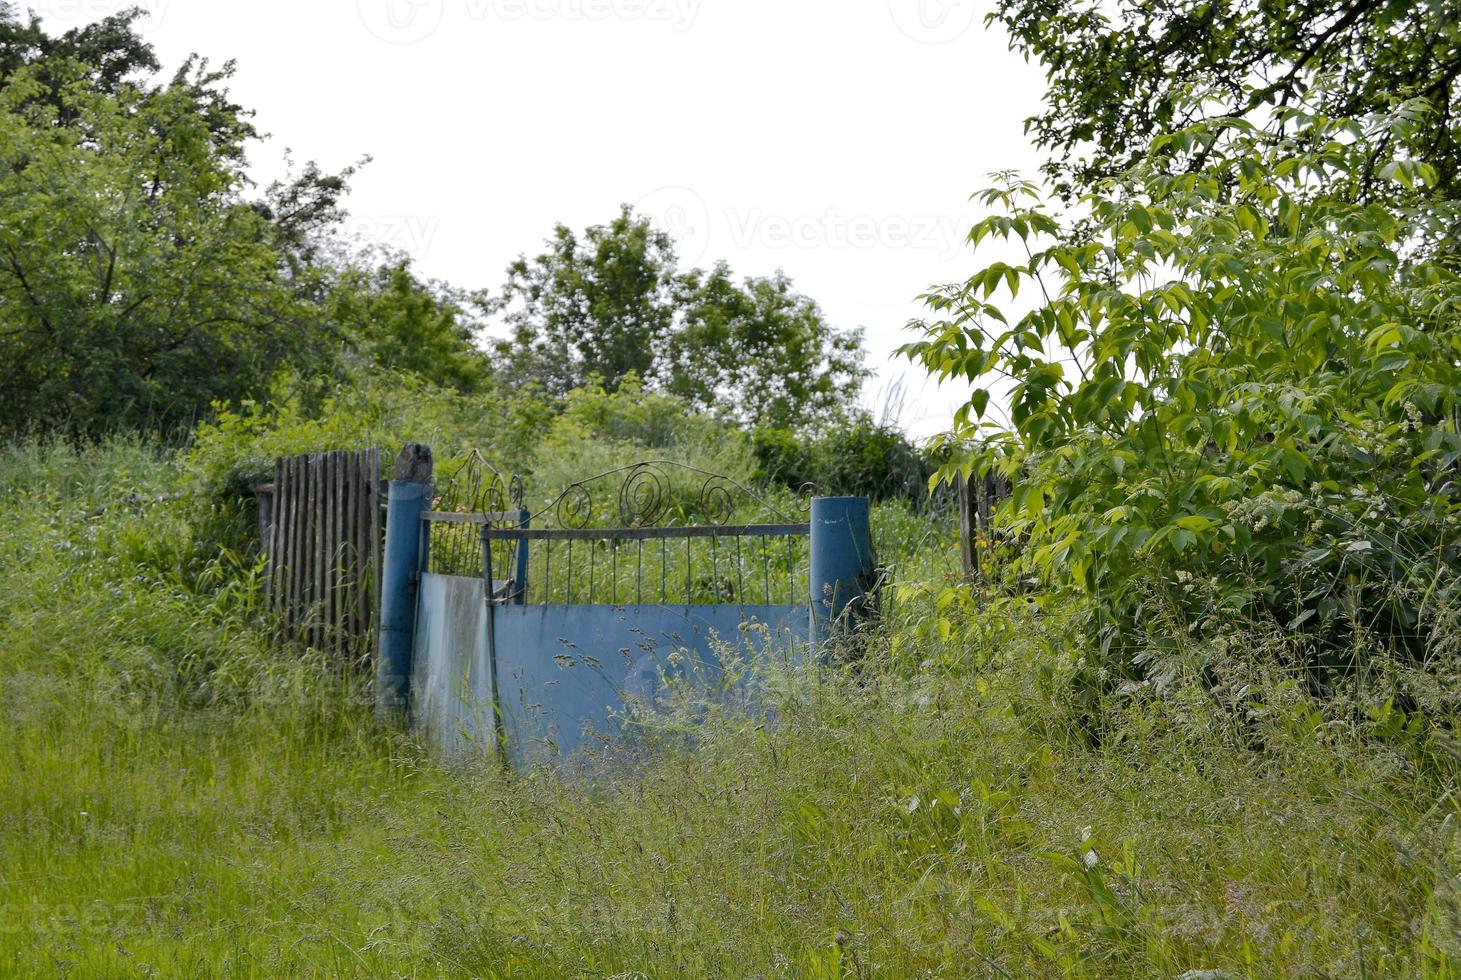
(1224, 374)
(611, 302)
(137, 286)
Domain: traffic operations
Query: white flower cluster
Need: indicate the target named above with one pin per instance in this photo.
(1263, 510)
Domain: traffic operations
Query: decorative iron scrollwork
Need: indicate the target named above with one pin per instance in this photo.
(718, 500)
(643, 496)
(475, 487)
(647, 495)
(804, 495)
(574, 508)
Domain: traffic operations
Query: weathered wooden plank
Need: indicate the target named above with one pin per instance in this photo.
(301, 556)
(268, 537)
(323, 636)
(281, 579)
(270, 567)
(296, 556)
(296, 545)
(337, 552)
(374, 502)
(301, 553)
(317, 550)
(279, 575)
(362, 553)
(359, 553)
(312, 550)
(348, 562)
(327, 568)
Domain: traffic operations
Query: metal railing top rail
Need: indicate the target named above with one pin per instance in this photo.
(452, 517)
(646, 533)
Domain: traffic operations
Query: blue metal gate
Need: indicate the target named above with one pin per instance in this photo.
(541, 635)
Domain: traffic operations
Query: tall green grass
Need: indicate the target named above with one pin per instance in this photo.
(178, 799)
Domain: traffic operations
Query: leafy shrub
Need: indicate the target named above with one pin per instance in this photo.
(857, 458)
(1240, 398)
(238, 447)
(600, 431)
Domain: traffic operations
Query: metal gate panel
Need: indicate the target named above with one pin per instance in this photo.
(451, 668)
(572, 677)
(551, 648)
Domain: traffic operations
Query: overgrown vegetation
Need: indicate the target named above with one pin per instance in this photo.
(1195, 715)
(1236, 395)
(184, 799)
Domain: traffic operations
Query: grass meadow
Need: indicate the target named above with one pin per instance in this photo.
(180, 798)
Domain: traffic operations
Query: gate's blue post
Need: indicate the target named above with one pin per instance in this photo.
(520, 573)
(401, 568)
(842, 563)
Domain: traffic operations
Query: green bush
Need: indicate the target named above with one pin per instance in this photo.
(859, 457)
(1237, 402)
(599, 431)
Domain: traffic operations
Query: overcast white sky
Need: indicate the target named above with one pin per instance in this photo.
(839, 141)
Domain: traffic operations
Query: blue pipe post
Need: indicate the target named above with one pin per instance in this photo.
(842, 564)
(520, 574)
(401, 567)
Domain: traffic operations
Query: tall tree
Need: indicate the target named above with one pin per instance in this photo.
(613, 304)
(403, 323)
(761, 352)
(136, 286)
(1122, 73)
(109, 52)
(596, 306)
(138, 283)
(141, 280)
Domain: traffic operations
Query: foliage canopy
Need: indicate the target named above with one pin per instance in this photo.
(612, 304)
(1239, 392)
(1123, 73)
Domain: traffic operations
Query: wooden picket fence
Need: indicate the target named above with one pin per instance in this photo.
(978, 497)
(322, 527)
